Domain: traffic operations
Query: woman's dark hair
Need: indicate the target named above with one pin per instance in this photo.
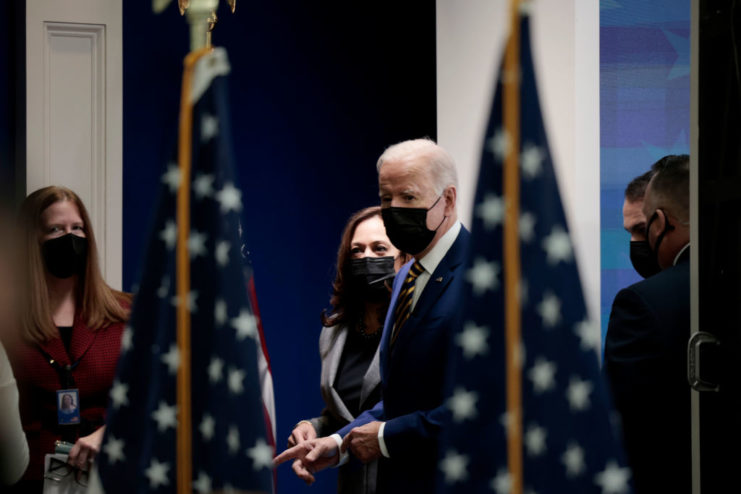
(345, 309)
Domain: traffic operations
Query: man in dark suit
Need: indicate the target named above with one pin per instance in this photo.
(418, 190)
(646, 344)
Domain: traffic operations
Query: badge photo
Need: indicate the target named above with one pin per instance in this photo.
(68, 406)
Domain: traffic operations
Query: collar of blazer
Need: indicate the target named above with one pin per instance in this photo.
(82, 338)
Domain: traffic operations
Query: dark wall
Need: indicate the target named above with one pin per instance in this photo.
(317, 92)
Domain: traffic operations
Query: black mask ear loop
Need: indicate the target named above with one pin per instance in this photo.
(444, 216)
(667, 228)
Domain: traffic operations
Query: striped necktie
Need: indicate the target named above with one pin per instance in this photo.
(404, 301)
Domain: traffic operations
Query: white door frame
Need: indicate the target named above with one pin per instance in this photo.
(74, 117)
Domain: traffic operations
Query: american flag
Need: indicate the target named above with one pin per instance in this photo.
(569, 441)
(231, 450)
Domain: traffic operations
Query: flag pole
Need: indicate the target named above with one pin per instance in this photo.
(511, 118)
(202, 19)
(184, 430)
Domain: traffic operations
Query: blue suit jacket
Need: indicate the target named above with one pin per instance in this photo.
(413, 375)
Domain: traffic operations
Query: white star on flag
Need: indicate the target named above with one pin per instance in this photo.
(114, 449)
(454, 466)
(530, 160)
(573, 460)
(527, 227)
(235, 378)
(542, 374)
(172, 359)
(491, 211)
(215, 370)
(230, 198)
(222, 253)
(220, 312)
(169, 234)
(203, 186)
(207, 427)
(126, 336)
(502, 483)
(550, 310)
(499, 144)
(578, 393)
(613, 479)
(483, 276)
(118, 394)
(588, 332)
(165, 416)
(197, 244)
(557, 246)
(473, 340)
(172, 177)
(191, 301)
(463, 404)
(232, 439)
(535, 440)
(157, 474)
(261, 454)
(245, 324)
(209, 127)
(202, 484)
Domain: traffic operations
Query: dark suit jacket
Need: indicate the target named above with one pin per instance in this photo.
(645, 362)
(413, 374)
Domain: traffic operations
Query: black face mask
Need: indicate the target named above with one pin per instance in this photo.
(643, 259)
(369, 275)
(667, 228)
(407, 227)
(65, 256)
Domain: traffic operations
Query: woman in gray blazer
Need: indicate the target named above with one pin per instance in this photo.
(348, 344)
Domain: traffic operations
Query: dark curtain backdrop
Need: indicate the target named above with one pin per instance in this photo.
(317, 92)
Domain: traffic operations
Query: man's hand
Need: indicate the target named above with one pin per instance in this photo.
(311, 456)
(363, 442)
(84, 451)
(303, 431)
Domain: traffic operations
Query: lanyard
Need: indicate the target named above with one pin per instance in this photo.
(66, 379)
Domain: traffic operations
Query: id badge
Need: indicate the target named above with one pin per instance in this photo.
(68, 406)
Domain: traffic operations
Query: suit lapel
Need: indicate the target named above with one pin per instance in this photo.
(55, 349)
(82, 338)
(441, 278)
(333, 358)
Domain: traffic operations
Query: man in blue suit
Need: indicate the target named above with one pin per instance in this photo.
(418, 189)
(646, 343)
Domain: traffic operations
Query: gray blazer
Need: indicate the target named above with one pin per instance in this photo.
(351, 478)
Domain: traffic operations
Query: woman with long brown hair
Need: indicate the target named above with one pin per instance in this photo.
(69, 331)
(348, 344)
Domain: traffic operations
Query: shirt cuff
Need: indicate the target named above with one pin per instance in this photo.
(381, 442)
(343, 456)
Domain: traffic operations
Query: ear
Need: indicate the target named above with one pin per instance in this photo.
(449, 195)
(660, 223)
